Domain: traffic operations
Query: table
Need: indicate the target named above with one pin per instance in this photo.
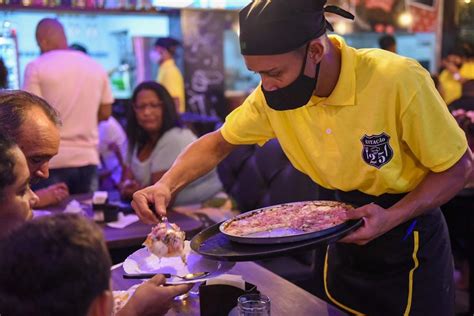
(286, 298)
(134, 234)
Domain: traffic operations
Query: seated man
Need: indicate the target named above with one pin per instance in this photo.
(17, 200)
(34, 125)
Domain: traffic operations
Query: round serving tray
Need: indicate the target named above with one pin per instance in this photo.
(211, 243)
(278, 235)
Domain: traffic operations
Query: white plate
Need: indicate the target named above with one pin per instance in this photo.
(142, 261)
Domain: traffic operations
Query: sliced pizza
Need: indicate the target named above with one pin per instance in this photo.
(166, 242)
(309, 216)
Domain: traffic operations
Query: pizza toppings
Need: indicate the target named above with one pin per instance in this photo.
(166, 242)
(308, 216)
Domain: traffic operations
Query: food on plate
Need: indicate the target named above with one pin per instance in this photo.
(164, 241)
(120, 299)
(309, 216)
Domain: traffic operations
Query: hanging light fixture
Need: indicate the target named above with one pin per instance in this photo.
(405, 19)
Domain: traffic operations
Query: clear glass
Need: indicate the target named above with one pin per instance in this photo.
(253, 305)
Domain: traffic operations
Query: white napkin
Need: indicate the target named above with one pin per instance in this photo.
(100, 197)
(123, 220)
(74, 207)
(228, 279)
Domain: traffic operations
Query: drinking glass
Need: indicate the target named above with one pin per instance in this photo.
(253, 305)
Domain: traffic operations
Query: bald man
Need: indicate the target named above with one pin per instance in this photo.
(78, 88)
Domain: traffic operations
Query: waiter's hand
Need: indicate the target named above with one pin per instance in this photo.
(158, 195)
(376, 223)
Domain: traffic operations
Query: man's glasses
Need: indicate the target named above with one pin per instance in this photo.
(152, 106)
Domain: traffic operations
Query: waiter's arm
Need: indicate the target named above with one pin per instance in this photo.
(198, 158)
(435, 190)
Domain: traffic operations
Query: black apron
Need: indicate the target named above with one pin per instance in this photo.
(406, 271)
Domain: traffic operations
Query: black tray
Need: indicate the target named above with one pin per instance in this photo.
(212, 244)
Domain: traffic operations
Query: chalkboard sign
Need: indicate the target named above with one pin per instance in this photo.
(203, 36)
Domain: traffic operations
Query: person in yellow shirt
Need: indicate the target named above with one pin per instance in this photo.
(169, 74)
(365, 123)
(458, 68)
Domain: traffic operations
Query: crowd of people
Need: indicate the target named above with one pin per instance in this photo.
(65, 253)
(370, 125)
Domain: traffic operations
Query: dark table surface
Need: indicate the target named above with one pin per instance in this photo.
(286, 298)
(134, 234)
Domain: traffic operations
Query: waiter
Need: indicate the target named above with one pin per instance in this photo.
(367, 123)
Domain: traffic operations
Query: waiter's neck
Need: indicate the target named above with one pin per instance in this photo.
(329, 71)
(165, 58)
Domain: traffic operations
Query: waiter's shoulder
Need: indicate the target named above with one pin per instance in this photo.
(389, 64)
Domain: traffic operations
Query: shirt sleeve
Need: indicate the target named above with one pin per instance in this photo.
(429, 129)
(249, 123)
(169, 147)
(31, 80)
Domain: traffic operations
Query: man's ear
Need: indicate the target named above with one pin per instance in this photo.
(316, 50)
(102, 304)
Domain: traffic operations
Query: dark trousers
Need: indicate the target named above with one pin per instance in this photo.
(406, 271)
(79, 179)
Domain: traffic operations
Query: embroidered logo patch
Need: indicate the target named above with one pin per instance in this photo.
(376, 150)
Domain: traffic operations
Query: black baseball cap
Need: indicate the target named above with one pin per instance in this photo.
(270, 27)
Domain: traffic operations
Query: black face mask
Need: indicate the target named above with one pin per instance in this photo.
(296, 94)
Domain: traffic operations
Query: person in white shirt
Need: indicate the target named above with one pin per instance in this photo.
(112, 150)
(78, 88)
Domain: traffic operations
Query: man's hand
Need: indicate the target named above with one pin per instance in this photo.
(158, 195)
(52, 195)
(377, 221)
(152, 298)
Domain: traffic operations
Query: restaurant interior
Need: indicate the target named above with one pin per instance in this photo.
(121, 34)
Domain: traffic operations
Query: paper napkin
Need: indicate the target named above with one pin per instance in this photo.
(123, 221)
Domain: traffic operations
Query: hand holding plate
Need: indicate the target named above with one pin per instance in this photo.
(151, 298)
(376, 223)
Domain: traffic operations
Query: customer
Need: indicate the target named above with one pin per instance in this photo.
(363, 122)
(17, 201)
(112, 150)
(34, 125)
(78, 88)
(388, 42)
(466, 101)
(155, 139)
(59, 265)
(16, 197)
(458, 68)
(169, 74)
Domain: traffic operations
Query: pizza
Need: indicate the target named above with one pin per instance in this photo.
(166, 242)
(309, 216)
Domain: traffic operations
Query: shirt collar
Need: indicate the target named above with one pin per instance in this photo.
(167, 63)
(344, 91)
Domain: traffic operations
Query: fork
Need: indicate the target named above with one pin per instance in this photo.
(164, 219)
(189, 276)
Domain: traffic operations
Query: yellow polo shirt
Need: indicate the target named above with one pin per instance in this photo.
(451, 87)
(382, 129)
(170, 77)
